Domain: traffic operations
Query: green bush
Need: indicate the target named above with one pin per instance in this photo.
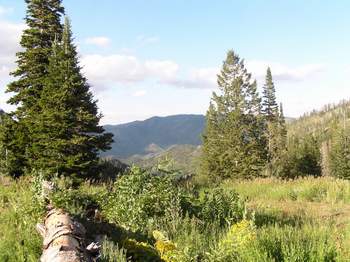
(137, 198)
(221, 205)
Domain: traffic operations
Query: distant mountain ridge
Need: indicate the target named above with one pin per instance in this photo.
(155, 134)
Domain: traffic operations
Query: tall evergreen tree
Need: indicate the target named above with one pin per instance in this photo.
(276, 133)
(231, 146)
(68, 135)
(270, 107)
(256, 127)
(43, 26)
(340, 154)
(282, 128)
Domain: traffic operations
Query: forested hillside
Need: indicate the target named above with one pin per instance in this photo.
(155, 134)
(324, 132)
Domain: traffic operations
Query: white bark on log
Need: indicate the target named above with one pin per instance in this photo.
(63, 238)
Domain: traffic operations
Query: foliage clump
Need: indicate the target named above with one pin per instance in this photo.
(218, 205)
(138, 197)
(235, 242)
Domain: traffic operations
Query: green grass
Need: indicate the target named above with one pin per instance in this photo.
(323, 189)
(305, 219)
(309, 242)
(18, 217)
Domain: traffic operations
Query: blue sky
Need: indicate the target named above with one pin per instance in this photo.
(160, 57)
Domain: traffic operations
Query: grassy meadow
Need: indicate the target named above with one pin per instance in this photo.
(306, 219)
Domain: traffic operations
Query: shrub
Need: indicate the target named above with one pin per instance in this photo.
(137, 198)
(234, 243)
(222, 205)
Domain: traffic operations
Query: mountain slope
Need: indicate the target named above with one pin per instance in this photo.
(155, 134)
(322, 122)
(184, 157)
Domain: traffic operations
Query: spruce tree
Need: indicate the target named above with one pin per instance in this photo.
(68, 135)
(276, 133)
(256, 126)
(270, 107)
(282, 128)
(340, 154)
(231, 142)
(43, 26)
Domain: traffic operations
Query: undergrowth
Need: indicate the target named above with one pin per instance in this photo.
(147, 217)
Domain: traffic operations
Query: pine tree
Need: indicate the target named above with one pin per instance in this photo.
(276, 132)
(282, 128)
(43, 22)
(256, 126)
(231, 142)
(340, 154)
(68, 136)
(270, 107)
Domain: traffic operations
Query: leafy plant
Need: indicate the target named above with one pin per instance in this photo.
(234, 243)
(138, 197)
(224, 206)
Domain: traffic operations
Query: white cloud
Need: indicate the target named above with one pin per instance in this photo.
(139, 93)
(100, 41)
(163, 70)
(284, 72)
(105, 70)
(204, 78)
(10, 36)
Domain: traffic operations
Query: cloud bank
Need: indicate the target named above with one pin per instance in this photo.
(106, 70)
(10, 36)
(100, 41)
(284, 72)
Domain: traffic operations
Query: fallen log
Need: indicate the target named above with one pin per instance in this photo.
(64, 238)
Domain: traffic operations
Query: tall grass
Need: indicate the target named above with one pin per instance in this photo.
(18, 217)
(307, 243)
(323, 189)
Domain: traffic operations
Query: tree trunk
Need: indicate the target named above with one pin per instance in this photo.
(63, 238)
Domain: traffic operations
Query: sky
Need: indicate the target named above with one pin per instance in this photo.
(160, 57)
